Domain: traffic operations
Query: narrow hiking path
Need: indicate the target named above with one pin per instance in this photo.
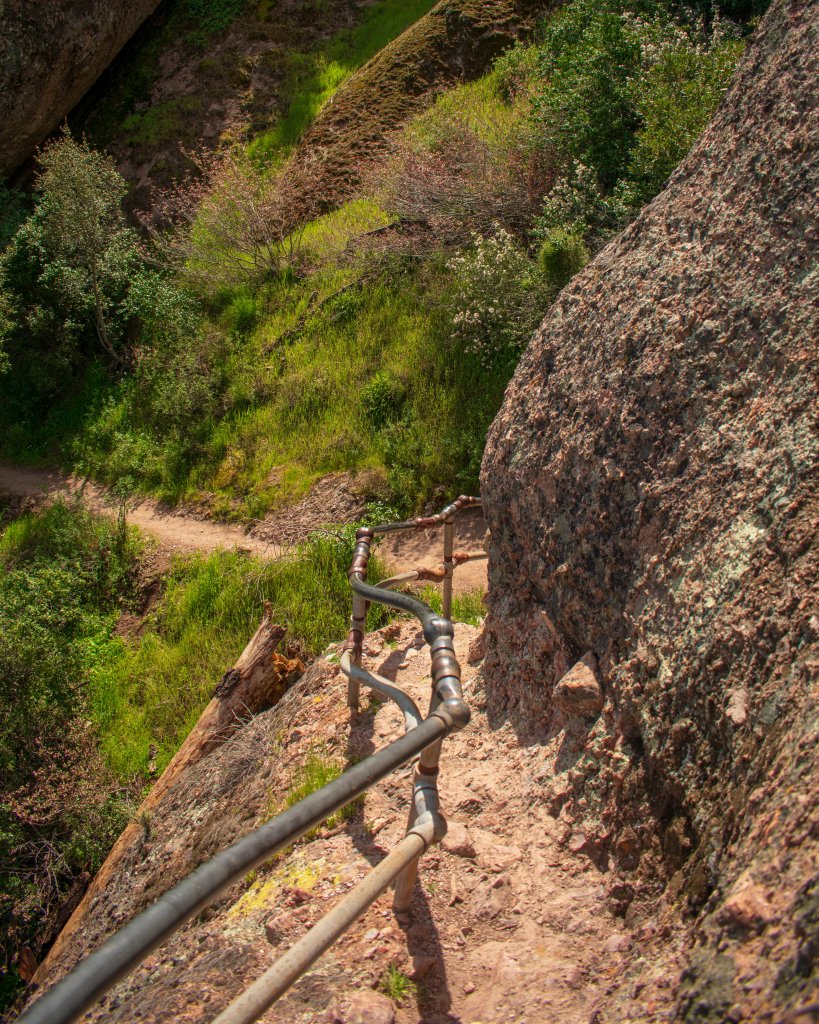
(183, 532)
(508, 924)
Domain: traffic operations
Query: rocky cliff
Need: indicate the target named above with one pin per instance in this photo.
(651, 488)
(50, 54)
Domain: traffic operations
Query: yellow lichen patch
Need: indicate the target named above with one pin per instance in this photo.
(263, 893)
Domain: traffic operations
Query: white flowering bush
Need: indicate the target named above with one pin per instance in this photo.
(577, 205)
(498, 300)
(626, 89)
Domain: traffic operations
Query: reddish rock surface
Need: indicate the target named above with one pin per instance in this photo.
(50, 54)
(651, 488)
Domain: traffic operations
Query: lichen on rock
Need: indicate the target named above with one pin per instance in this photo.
(650, 486)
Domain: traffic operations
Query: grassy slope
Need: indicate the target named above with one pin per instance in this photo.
(240, 70)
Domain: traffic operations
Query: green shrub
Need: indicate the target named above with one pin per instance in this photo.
(562, 255)
(382, 398)
(674, 99)
(64, 577)
(498, 300)
(242, 314)
(621, 92)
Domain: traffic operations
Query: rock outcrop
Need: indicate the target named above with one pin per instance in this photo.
(50, 54)
(651, 489)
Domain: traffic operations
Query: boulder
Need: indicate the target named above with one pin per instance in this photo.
(650, 484)
(50, 55)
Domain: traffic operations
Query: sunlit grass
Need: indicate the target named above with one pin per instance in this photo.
(315, 76)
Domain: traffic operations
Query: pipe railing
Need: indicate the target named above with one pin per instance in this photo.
(99, 972)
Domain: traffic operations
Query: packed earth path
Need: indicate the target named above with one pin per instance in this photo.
(508, 924)
(186, 532)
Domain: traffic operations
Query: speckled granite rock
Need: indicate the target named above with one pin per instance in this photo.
(50, 54)
(651, 488)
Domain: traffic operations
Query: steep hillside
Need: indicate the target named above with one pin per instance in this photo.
(50, 55)
(456, 41)
(204, 74)
(650, 485)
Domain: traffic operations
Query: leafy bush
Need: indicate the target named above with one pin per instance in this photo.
(622, 91)
(499, 298)
(63, 576)
(75, 283)
(381, 399)
(684, 76)
(562, 255)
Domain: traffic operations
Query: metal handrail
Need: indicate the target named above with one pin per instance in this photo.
(97, 974)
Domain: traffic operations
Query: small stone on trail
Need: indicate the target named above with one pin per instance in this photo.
(457, 841)
(579, 692)
(364, 1007)
(421, 966)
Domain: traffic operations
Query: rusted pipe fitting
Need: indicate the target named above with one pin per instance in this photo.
(354, 641)
(444, 664)
(433, 574)
(437, 626)
(361, 552)
(455, 712)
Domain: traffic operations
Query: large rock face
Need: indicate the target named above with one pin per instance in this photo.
(50, 54)
(651, 488)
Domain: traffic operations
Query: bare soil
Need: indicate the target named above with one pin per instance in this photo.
(330, 501)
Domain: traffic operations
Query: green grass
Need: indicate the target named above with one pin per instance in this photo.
(369, 380)
(397, 986)
(318, 770)
(316, 75)
(466, 608)
(153, 692)
(162, 122)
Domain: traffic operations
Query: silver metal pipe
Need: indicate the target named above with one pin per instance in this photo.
(425, 805)
(412, 716)
(275, 981)
(402, 577)
(358, 627)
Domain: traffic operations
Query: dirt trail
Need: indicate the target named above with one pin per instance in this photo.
(182, 532)
(508, 924)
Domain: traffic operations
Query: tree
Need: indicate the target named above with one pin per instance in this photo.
(83, 232)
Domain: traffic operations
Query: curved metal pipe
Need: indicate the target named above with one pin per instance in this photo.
(95, 975)
(412, 716)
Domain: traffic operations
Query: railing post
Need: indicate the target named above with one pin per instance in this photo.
(357, 627)
(449, 567)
